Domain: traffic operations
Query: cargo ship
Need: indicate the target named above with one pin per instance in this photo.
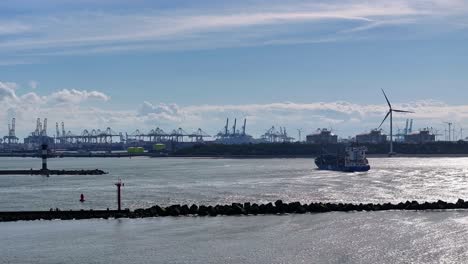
(353, 160)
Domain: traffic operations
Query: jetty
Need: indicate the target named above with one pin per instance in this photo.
(234, 209)
(52, 172)
(46, 171)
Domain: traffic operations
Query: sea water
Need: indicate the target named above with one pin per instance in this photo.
(355, 237)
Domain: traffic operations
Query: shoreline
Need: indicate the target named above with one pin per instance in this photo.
(418, 155)
(149, 155)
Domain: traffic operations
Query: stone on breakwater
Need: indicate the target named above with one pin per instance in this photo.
(193, 209)
(254, 209)
(212, 211)
(184, 210)
(173, 210)
(202, 210)
(237, 209)
(270, 209)
(247, 207)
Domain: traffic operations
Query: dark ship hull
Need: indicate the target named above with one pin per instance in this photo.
(335, 163)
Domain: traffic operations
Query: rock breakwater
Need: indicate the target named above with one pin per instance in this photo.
(277, 208)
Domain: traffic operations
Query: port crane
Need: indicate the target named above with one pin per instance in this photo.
(449, 131)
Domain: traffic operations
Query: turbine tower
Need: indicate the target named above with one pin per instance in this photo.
(390, 113)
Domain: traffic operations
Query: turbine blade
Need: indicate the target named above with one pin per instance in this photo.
(385, 118)
(388, 102)
(402, 111)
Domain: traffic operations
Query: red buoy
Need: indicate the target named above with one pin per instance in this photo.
(82, 198)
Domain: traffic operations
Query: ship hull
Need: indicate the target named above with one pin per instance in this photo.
(343, 168)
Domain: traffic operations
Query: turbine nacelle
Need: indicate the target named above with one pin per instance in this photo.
(390, 109)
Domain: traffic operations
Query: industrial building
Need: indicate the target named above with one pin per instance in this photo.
(423, 136)
(322, 136)
(375, 136)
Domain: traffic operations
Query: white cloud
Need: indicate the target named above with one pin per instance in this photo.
(345, 117)
(162, 113)
(148, 108)
(58, 106)
(32, 99)
(11, 28)
(7, 90)
(33, 84)
(76, 96)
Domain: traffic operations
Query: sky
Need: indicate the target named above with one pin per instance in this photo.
(297, 64)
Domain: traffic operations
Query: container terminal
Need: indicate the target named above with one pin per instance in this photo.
(160, 142)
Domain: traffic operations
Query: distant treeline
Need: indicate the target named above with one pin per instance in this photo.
(300, 149)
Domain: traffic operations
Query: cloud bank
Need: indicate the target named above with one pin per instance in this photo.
(82, 109)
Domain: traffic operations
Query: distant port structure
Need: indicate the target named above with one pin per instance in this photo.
(11, 138)
(234, 133)
(108, 140)
(274, 135)
(234, 136)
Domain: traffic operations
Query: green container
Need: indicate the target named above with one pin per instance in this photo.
(135, 150)
(159, 147)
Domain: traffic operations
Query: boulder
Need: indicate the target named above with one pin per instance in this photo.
(237, 209)
(261, 209)
(278, 203)
(254, 209)
(184, 210)
(270, 209)
(202, 210)
(301, 210)
(155, 210)
(174, 210)
(247, 208)
(193, 209)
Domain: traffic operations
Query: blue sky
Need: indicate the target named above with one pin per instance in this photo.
(299, 64)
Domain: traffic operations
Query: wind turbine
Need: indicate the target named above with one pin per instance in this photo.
(390, 113)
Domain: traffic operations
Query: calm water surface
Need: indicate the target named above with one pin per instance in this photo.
(377, 237)
(359, 237)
